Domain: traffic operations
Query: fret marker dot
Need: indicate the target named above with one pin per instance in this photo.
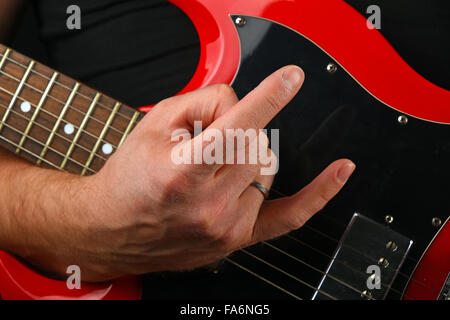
(69, 129)
(107, 148)
(25, 107)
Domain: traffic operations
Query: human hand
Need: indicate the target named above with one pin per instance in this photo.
(144, 213)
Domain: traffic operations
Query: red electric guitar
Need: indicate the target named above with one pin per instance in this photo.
(386, 236)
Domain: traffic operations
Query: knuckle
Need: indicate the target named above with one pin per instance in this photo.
(163, 104)
(206, 228)
(207, 222)
(321, 201)
(225, 91)
(173, 188)
(272, 103)
(227, 241)
(296, 222)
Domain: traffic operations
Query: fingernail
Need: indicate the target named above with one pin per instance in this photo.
(292, 77)
(345, 172)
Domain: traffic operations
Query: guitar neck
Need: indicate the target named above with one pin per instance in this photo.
(56, 122)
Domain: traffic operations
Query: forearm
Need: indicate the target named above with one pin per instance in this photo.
(38, 207)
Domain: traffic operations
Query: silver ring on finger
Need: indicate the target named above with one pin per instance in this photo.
(261, 188)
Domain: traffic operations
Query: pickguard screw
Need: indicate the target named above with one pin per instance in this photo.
(240, 21)
(366, 294)
(331, 67)
(391, 245)
(383, 262)
(389, 219)
(402, 119)
(436, 222)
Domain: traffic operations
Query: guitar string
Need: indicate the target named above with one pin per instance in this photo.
(48, 130)
(360, 253)
(343, 225)
(354, 269)
(27, 151)
(64, 121)
(57, 117)
(289, 275)
(60, 103)
(50, 148)
(326, 274)
(342, 282)
(60, 84)
(262, 278)
(313, 268)
(340, 223)
(333, 239)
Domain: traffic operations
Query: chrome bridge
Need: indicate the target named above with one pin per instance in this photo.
(366, 262)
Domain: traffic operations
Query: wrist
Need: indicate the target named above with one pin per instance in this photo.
(42, 210)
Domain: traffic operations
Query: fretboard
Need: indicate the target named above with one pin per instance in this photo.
(56, 122)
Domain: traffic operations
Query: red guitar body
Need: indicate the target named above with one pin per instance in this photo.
(362, 52)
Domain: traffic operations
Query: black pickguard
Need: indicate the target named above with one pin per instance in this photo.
(402, 171)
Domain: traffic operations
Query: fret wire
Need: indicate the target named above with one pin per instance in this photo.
(27, 151)
(55, 116)
(102, 134)
(40, 143)
(59, 101)
(47, 129)
(82, 126)
(14, 98)
(58, 121)
(288, 274)
(130, 126)
(5, 56)
(262, 278)
(36, 111)
(62, 85)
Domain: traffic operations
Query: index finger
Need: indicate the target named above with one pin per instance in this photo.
(263, 103)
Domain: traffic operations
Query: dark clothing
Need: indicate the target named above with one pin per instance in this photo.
(138, 51)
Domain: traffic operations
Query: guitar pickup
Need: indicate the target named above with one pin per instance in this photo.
(365, 263)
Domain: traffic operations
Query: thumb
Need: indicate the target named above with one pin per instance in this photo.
(283, 215)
